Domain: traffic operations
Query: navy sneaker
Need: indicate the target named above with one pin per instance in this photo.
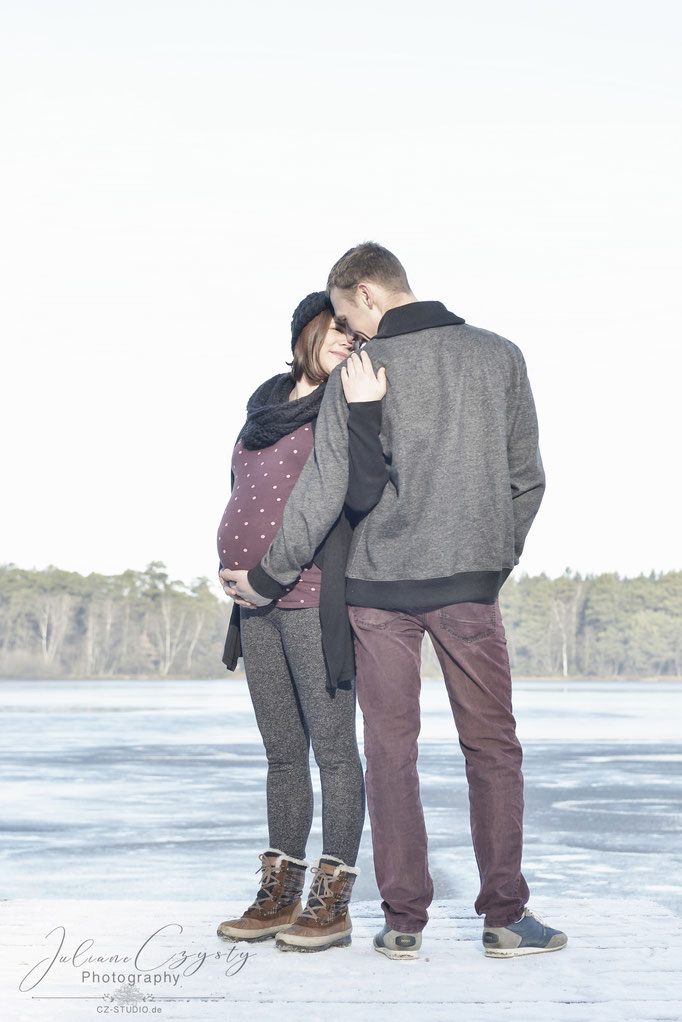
(527, 937)
(395, 944)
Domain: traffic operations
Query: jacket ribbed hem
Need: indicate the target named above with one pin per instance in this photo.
(264, 584)
(233, 640)
(425, 593)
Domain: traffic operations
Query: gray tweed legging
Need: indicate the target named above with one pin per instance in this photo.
(285, 673)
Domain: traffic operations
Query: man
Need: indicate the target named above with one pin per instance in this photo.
(459, 433)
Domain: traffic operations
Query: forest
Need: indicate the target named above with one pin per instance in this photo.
(142, 624)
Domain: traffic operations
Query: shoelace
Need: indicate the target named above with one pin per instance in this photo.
(291, 886)
(267, 868)
(537, 918)
(319, 891)
(267, 880)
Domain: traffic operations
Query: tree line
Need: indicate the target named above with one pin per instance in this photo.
(142, 624)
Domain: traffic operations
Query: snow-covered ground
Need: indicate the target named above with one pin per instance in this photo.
(621, 965)
(134, 805)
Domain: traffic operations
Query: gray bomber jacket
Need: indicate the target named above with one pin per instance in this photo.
(465, 477)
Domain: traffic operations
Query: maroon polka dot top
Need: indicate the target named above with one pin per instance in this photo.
(263, 481)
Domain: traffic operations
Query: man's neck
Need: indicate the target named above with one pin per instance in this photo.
(396, 300)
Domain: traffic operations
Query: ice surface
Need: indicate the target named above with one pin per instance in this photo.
(156, 790)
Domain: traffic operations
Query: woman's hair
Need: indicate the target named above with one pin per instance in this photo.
(307, 349)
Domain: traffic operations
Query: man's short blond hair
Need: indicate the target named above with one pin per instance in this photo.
(371, 262)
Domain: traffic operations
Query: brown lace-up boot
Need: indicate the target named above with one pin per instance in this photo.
(325, 921)
(278, 902)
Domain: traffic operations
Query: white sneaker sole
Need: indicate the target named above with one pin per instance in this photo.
(516, 952)
(395, 955)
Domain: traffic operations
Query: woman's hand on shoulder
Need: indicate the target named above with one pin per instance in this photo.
(360, 383)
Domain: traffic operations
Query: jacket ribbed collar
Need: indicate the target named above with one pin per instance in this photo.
(406, 319)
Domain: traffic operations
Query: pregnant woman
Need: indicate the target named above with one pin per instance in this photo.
(298, 651)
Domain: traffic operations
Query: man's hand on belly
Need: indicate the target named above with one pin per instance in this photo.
(236, 585)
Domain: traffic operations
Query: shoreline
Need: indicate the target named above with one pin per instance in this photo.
(240, 676)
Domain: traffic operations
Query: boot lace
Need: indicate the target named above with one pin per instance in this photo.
(268, 880)
(320, 892)
(289, 879)
(268, 869)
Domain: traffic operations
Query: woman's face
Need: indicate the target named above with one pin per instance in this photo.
(335, 348)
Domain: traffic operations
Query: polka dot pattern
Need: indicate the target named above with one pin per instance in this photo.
(268, 477)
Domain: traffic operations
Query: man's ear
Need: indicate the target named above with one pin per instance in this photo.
(366, 295)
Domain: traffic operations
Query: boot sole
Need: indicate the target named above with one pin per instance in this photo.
(256, 939)
(285, 946)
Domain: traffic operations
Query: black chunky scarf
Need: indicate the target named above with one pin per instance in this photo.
(271, 415)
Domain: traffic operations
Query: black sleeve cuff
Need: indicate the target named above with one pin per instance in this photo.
(364, 415)
(264, 585)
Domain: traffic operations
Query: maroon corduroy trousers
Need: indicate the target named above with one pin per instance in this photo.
(471, 646)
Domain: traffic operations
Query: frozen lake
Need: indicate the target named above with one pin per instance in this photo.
(155, 790)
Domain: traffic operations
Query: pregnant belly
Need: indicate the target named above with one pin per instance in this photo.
(245, 534)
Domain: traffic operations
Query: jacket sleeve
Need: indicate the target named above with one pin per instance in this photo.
(315, 502)
(526, 474)
(367, 468)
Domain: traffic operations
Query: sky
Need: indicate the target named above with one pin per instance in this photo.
(176, 176)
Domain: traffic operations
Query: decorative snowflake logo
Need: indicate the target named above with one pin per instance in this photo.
(127, 995)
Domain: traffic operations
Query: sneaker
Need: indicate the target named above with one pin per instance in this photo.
(529, 936)
(325, 921)
(395, 944)
(277, 904)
